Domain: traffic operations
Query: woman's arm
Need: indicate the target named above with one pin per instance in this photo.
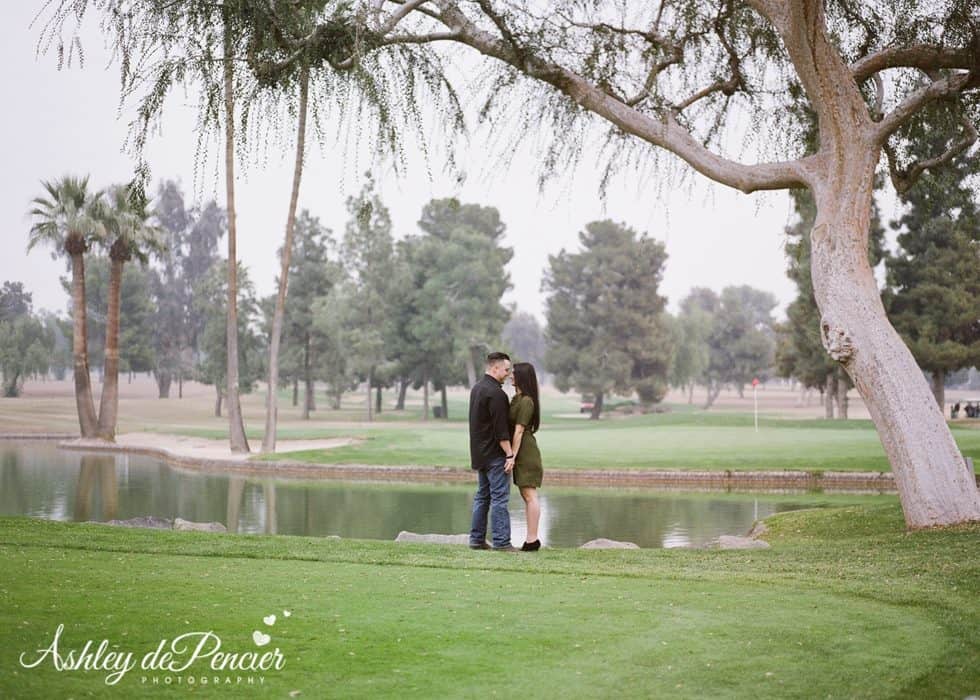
(518, 434)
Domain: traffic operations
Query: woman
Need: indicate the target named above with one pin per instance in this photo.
(525, 418)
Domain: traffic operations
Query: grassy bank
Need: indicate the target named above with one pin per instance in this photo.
(682, 440)
(844, 604)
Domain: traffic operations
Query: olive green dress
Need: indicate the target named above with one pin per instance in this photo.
(527, 470)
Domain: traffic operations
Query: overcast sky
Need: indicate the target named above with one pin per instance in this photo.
(69, 122)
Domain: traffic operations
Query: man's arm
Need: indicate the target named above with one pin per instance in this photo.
(498, 415)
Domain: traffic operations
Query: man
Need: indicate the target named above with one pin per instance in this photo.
(491, 455)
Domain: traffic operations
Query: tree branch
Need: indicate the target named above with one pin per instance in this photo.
(398, 15)
(903, 178)
(668, 133)
(676, 56)
(736, 80)
(916, 101)
(923, 56)
(419, 38)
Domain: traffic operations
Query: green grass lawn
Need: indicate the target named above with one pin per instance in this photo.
(681, 440)
(845, 604)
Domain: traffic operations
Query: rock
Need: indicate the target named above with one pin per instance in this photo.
(603, 543)
(187, 525)
(143, 521)
(405, 536)
(733, 542)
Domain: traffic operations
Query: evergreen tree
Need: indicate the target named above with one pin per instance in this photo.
(14, 301)
(312, 275)
(471, 270)
(691, 329)
(26, 343)
(190, 249)
(607, 329)
(209, 301)
(368, 254)
(524, 339)
(445, 299)
(933, 281)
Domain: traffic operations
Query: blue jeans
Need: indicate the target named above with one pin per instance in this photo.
(491, 497)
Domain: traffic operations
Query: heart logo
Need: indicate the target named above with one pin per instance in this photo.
(269, 620)
(260, 638)
(286, 613)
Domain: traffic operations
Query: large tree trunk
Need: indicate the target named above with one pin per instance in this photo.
(690, 393)
(930, 473)
(714, 389)
(217, 401)
(402, 390)
(11, 388)
(87, 421)
(307, 380)
(296, 390)
(310, 391)
(272, 395)
(370, 380)
(377, 401)
(164, 379)
(236, 425)
(109, 403)
(471, 364)
(425, 397)
(180, 385)
(596, 407)
(829, 394)
(445, 404)
(842, 388)
(939, 389)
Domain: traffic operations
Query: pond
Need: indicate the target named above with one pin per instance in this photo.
(40, 480)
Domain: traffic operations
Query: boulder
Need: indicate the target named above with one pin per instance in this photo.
(405, 536)
(603, 543)
(143, 521)
(187, 525)
(733, 542)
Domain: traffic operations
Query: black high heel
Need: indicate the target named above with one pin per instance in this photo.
(531, 546)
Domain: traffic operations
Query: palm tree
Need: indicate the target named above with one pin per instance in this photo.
(65, 219)
(127, 235)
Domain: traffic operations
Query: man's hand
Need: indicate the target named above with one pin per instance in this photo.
(509, 464)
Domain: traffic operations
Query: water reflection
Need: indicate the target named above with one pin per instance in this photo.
(101, 470)
(38, 479)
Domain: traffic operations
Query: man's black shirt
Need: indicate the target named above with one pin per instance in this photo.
(488, 422)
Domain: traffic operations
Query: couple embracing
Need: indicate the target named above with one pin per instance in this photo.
(502, 444)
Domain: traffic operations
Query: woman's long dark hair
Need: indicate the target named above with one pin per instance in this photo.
(526, 380)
